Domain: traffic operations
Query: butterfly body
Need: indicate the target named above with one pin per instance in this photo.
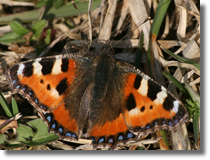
(108, 100)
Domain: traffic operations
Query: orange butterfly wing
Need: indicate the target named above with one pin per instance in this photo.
(145, 107)
(46, 82)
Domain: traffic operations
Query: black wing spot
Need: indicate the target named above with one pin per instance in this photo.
(151, 107)
(153, 90)
(137, 82)
(130, 103)
(47, 65)
(28, 69)
(168, 103)
(62, 86)
(142, 109)
(41, 81)
(65, 65)
(48, 87)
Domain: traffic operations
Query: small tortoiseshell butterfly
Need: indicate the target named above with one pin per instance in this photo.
(83, 93)
(108, 100)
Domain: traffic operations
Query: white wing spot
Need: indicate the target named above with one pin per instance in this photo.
(161, 96)
(176, 106)
(143, 89)
(20, 69)
(57, 66)
(54, 93)
(37, 67)
(134, 111)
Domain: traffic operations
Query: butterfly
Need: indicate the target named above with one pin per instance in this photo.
(108, 100)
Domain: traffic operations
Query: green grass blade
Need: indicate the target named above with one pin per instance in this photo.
(157, 22)
(5, 106)
(139, 51)
(28, 16)
(15, 109)
(163, 142)
(50, 13)
(176, 82)
(159, 16)
(181, 59)
(194, 96)
(58, 3)
(196, 116)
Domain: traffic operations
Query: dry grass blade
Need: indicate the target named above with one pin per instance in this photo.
(89, 21)
(180, 139)
(139, 14)
(181, 31)
(108, 21)
(16, 3)
(178, 64)
(123, 13)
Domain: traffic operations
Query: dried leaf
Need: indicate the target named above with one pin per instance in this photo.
(21, 49)
(27, 37)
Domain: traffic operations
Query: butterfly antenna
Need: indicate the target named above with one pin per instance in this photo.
(89, 13)
(148, 18)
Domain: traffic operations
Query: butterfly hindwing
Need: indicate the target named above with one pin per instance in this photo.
(149, 106)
